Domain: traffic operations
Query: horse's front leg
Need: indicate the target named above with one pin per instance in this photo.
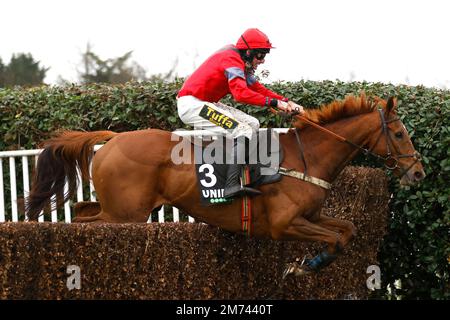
(345, 227)
(305, 230)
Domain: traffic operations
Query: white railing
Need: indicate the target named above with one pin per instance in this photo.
(9, 207)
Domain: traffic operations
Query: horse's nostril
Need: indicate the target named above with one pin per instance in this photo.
(418, 175)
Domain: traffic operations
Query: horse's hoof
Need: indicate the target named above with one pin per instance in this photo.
(296, 269)
(290, 269)
(302, 271)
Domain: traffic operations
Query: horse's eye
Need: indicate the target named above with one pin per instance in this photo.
(399, 135)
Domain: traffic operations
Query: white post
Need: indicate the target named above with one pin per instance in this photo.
(67, 215)
(80, 187)
(176, 214)
(91, 185)
(12, 178)
(91, 191)
(26, 181)
(2, 195)
(161, 214)
(54, 209)
(41, 214)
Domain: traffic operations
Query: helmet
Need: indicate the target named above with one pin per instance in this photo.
(253, 38)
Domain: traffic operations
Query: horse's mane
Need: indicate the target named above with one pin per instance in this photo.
(350, 106)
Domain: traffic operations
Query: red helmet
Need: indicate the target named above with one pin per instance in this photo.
(253, 39)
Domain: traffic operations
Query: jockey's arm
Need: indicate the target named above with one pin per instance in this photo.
(283, 103)
(258, 87)
(242, 93)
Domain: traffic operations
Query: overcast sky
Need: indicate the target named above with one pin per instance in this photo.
(374, 40)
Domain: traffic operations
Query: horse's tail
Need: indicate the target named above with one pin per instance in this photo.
(61, 157)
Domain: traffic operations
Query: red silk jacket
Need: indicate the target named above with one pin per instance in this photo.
(224, 73)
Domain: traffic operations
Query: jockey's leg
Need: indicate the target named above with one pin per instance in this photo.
(244, 147)
(246, 135)
(229, 122)
(233, 185)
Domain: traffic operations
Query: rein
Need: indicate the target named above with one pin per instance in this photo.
(390, 160)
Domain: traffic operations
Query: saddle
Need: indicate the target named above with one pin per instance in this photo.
(212, 156)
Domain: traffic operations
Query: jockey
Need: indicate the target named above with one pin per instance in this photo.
(230, 70)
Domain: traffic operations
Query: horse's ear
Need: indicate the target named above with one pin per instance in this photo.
(390, 105)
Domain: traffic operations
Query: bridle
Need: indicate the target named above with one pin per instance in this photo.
(390, 160)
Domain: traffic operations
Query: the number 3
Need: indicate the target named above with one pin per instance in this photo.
(208, 174)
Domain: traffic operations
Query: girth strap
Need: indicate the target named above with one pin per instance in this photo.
(301, 176)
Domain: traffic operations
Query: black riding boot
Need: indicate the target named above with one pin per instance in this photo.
(233, 186)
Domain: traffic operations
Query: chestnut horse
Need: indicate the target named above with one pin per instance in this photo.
(133, 174)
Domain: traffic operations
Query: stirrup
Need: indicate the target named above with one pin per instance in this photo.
(262, 180)
(237, 191)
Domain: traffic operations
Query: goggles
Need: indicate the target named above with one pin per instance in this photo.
(260, 56)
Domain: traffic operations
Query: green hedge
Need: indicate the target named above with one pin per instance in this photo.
(416, 250)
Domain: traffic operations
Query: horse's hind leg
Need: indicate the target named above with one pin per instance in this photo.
(100, 217)
(130, 202)
(86, 208)
(130, 199)
(88, 212)
(89, 219)
(345, 227)
(127, 182)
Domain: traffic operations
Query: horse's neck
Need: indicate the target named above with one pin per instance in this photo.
(326, 155)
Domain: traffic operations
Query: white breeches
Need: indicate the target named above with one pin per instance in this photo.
(216, 117)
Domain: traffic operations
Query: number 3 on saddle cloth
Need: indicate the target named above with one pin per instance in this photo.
(212, 156)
